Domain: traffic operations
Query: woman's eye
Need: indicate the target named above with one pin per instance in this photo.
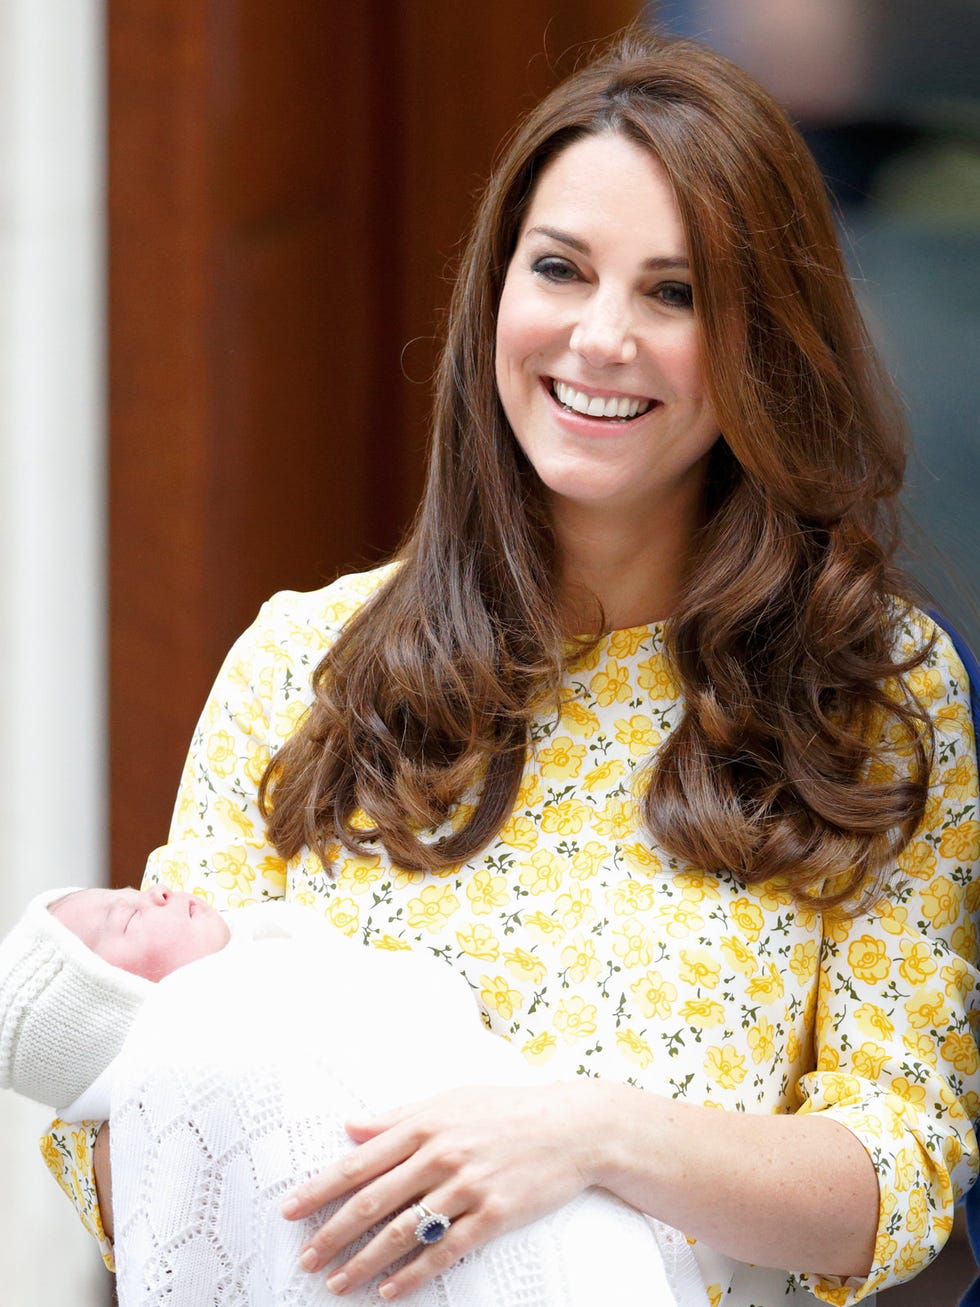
(554, 269)
(675, 294)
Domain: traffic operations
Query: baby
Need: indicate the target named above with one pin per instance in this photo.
(209, 1072)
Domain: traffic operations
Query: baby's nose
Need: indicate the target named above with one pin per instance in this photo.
(159, 895)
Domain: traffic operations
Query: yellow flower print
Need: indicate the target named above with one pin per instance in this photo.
(541, 925)
(680, 919)
(725, 1066)
(389, 944)
(605, 776)
(588, 859)
(961, 843)
(868, 1060)
(256, 761)
(696, 886)
(868, 959)
(579, 959)
(232, 816)
(911, 1258)
(403, 879)
(927, 1011)
(957, 978)
(525, 965)
(486, 892)
(904, 1099)
(917, 1214)
(543, 871)
(575, 910)
(578, 719)
(917, 963)
(961, 1050)
(530, 795)
(634, 944)
(630, 897)
(637, 733)
(842, 1089)
(656, 676)
(793, 1047)
(767, 986)
(941, 901)
(496, 994)
(634, 1047)
(641, 860)
(964, 940)
(519, 833)
(479, 942)
(892, 917)
(345, 915)
(541, 1048)
(52, 1157)
(221, 753)
(748, 918)
(288, 721)
(739, 957)
(927, 684)
(654, 995)
(702, 1013)
(81, 1149)
(234, 873)
(565, 818)
(917, 859)
(357, 875)
(575, 1019)
(828, 1059)
(952, 1151)
(960, 782)
(612, 684)
(561, 758)
(699, 968)
(273, 872)
(761, 1043)
(872, 1021)
(803, 961)
(905, 1171)
(617, 817)
(920, 1045)
(432, 909)
(625, 643)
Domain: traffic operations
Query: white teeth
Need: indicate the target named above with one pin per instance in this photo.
(593, 406)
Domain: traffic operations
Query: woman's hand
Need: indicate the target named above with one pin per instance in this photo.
(103, 1177)
(490, 1159)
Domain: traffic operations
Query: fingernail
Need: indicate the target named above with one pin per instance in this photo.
(338, 1283)
(388, 1291)
(309, 1260)
(290, 1207)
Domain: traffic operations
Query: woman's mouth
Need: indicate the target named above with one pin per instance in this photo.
(607, 408)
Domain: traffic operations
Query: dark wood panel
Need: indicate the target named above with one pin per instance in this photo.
(287, 187)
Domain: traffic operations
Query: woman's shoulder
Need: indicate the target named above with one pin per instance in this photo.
(309, 621)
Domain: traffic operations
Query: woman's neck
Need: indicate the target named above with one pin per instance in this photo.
(635, 570)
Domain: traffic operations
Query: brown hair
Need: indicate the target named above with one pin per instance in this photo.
(784, 634)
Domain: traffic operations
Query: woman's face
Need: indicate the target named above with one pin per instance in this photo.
(597, 351)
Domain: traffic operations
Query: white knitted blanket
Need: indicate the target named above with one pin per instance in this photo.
(233, 1085)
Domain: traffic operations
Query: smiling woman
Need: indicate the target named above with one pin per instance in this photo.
(640, 733)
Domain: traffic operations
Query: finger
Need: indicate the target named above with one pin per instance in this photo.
(460, 1240)
(391, 1244)
(362, 1164)
(367, 1127)
(385, 1200)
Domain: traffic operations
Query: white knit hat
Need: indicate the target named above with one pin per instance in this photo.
(64, 1012)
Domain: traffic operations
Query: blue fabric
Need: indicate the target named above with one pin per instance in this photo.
(972, 1201)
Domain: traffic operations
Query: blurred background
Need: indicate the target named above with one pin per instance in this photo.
(227, 234)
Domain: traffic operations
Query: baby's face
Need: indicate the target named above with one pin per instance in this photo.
(148, 932)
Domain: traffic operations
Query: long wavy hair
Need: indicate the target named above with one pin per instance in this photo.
(785, 633)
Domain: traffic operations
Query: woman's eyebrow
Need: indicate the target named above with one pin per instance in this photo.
(653, 264)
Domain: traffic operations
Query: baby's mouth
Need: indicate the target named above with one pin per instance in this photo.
(608, 408)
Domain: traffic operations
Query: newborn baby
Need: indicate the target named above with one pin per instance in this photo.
(236, 1075)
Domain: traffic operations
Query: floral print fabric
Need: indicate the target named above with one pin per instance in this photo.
(597, 953)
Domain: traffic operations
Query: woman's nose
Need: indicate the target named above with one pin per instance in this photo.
(603, 333)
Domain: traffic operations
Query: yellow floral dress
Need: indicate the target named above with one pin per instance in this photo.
(598, 954)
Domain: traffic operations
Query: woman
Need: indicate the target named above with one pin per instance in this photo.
(641, 734)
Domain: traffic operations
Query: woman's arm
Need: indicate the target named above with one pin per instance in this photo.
(103, 1177)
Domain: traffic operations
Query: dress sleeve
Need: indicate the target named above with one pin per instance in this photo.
(896, 1052)
(217, 847)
